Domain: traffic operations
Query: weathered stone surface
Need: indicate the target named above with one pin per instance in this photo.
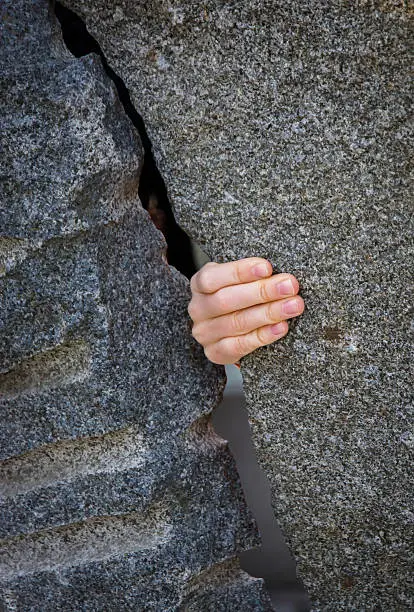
(116, 493)
(281, 129)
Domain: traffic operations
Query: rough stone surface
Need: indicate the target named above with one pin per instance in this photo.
(116, 493)
(281, 129)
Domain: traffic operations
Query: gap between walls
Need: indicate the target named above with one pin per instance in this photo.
(272, 561)
(152, 190)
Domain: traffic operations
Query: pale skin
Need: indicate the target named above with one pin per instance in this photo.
(237, 307)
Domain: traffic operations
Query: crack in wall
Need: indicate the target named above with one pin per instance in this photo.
(152, 190)
(286, 591)
(272, 561)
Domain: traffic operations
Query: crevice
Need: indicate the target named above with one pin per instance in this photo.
(272, 561)
(152, 190)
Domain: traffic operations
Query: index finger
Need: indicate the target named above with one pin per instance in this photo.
(215, 276)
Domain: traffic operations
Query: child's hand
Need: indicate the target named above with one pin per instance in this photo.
(234, 312)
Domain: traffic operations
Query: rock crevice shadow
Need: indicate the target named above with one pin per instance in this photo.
(152, 189)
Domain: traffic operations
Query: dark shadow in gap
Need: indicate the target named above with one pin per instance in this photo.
(272, 561)
(152, 191)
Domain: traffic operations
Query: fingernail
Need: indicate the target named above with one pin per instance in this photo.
(278, 329)
(286, 287)
(291, 307)
(261, 270)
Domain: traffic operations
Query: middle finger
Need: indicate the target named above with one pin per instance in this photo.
(230, 299)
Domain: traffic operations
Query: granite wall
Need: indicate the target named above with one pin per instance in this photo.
(282, 130)
(116, 494)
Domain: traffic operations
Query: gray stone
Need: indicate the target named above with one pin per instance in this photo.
(281, 129)
(116, 493)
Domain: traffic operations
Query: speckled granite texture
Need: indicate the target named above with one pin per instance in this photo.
(281, 129)
(116, 493)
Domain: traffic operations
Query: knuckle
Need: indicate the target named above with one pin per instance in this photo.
(192, 310)
(263, 292)
(237, 272)
(227, 351)
(212, 354)
(238, 321)
(221, 301)
(195, 332)
(271, 313)
(205, 278)
(193, 282)
(204, 282)
(261, 336)
(239, 347)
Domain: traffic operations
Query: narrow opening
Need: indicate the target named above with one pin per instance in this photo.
(152, 190)
(272, 561)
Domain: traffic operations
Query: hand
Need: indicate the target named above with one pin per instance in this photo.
(238, 306)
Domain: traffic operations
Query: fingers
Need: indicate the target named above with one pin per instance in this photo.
(214, 276)
(231, 299)
(230, 350)
(239, 306)
(244, 321)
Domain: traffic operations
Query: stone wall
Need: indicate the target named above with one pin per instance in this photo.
(281, 129)
(116, 492)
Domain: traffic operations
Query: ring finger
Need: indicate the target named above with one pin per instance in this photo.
(244, 321)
